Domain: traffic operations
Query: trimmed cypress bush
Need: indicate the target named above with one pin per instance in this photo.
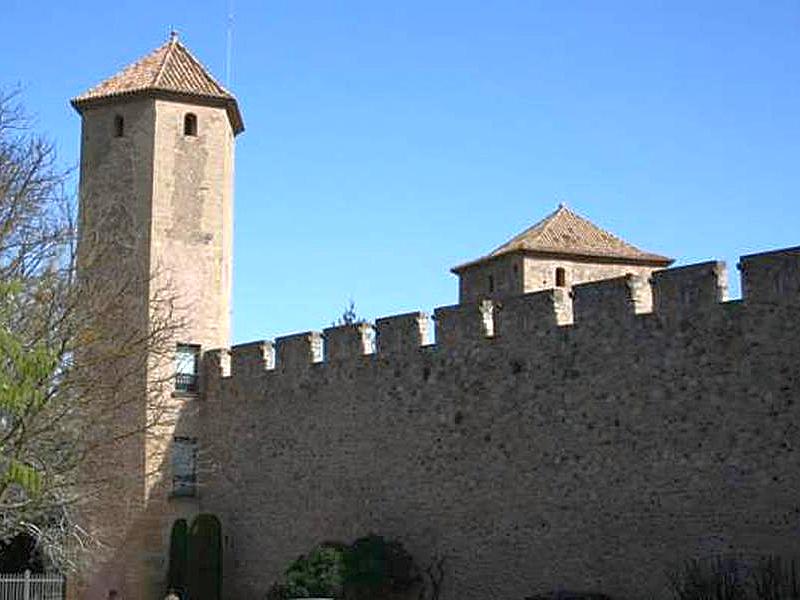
(178, 557)
(205, 558)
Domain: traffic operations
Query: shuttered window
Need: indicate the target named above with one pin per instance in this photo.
(184, 466)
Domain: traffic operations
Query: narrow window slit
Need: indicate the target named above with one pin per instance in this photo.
(190, 124)
(561, 277)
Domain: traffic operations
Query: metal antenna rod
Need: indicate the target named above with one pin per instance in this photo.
(229, 46)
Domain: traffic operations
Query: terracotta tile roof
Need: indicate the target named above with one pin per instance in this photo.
(172, 69)
(565, 233)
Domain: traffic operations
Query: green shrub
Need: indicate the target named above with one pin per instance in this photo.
(369, 568)
(375, 568)
(320, 574)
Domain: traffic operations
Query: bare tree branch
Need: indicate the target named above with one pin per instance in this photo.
(74, 366)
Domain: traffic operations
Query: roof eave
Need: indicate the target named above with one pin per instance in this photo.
(229, 103)
(653, 260)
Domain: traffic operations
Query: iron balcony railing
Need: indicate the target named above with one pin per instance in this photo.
(186, 382)
(184, 485)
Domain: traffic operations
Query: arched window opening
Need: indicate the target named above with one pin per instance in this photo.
(561, 277)
(119, 126)
(190, 124)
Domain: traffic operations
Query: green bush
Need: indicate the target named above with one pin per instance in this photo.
(369, 568)
(205, 558)
(320, 574)
(375, 568)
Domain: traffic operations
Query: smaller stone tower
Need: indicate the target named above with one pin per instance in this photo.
(156, 205)
(561, 250)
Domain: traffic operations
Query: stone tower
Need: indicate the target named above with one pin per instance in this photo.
(560, 251)
(156, 194)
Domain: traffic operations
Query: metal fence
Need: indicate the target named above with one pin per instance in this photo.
(32, 586)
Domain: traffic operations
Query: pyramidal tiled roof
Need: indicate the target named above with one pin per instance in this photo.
(170, 69)
(565, 233)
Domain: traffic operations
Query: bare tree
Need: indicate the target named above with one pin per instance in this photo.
(78, 373)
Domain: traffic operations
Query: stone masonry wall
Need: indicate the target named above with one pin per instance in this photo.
(116, 182)
(191, 253)
(587, 456)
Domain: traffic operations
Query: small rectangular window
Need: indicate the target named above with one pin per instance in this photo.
(190, 124)
(119, 126)
(184, 466)
(561, 277)
(187, 360)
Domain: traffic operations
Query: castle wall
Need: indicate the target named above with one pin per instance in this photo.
(585, 456)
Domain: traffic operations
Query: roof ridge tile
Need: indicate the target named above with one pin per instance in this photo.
(170, 45)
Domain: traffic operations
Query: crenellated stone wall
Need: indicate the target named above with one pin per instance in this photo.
(552, 440)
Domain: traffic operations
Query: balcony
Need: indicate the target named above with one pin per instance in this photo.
(184, 486)
(186, 383)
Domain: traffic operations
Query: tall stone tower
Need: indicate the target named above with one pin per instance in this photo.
(156, 204)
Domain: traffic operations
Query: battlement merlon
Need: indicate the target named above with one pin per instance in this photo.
(462, 323)
(252, 358)
(346, 342)
(770, 277)
(620, 299)
(216, 365)
(530, 314)
(298, 351)
(401, 333)
(690, 288)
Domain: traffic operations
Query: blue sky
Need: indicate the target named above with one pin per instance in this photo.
(388, 141)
